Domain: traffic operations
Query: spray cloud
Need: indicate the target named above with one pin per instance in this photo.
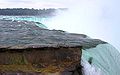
(96, 18)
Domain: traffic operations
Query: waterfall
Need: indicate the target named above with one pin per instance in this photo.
(105, 60)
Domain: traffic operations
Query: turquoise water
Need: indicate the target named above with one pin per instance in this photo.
(105, 57)
(40, 20)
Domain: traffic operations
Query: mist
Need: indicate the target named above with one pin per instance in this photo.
(98, 19)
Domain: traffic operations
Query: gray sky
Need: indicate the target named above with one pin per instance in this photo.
(33, 3)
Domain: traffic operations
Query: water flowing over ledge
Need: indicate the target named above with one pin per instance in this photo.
(105, 57)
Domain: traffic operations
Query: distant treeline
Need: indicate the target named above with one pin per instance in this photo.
(28, 12)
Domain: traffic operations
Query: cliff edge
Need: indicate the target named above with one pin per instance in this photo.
(27, 48)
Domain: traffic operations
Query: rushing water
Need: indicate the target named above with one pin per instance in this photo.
(39, 21)
(105, 58)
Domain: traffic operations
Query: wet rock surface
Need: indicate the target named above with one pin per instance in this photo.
(23, 34)
(27, 48)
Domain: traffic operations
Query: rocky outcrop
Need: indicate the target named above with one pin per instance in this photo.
(25, 48)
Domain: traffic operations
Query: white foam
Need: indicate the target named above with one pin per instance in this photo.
(90, 69)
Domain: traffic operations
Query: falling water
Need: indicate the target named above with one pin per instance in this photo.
(105, 60)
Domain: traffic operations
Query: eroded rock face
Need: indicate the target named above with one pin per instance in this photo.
(44, 61)
(26, 48)
(47, 60)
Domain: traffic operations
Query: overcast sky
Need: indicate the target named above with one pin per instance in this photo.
(33, 3)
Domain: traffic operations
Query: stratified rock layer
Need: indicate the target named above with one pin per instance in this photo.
(24, 47)
(40, 59)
